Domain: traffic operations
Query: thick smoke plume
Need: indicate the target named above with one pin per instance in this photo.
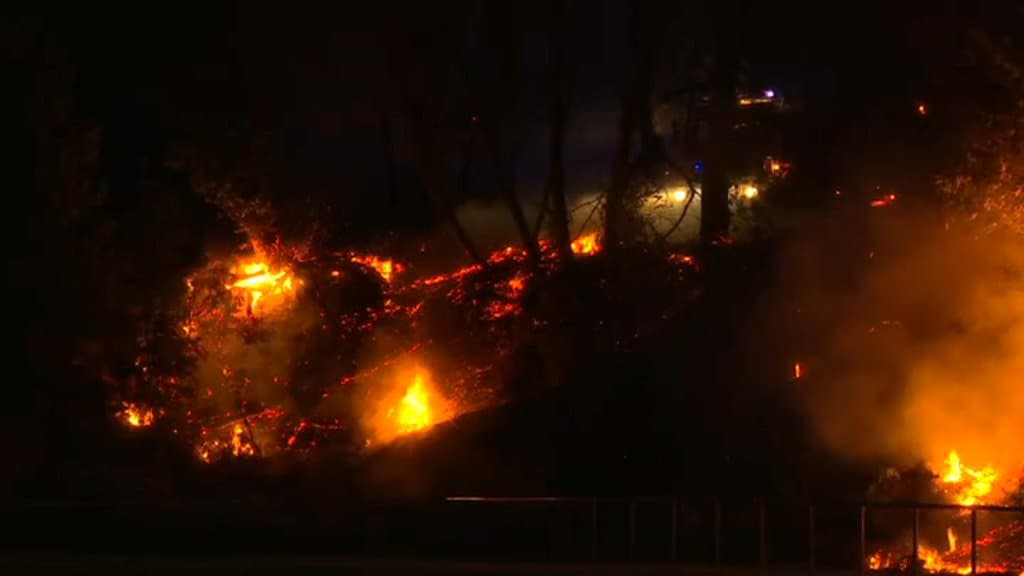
(916, 339)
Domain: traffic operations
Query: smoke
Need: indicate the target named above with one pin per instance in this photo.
(915, 331)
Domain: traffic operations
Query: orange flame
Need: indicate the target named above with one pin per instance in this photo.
(385, 267)
(137, 416)
(263, 289)
(586, 245)
(419, 407)
(971, 485)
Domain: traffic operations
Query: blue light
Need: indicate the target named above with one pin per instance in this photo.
(698, 166)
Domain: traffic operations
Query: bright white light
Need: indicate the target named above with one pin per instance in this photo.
(680, 195)
(769, 93)
(750, 192)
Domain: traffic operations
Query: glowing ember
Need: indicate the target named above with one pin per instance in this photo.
(385, 267)
(798, 370)
(586, 245)
(137, 416)
(883, 201)
(971, 485)
(262, 288)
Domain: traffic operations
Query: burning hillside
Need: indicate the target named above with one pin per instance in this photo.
(275, 350)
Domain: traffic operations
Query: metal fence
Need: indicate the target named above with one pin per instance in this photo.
(611, 529)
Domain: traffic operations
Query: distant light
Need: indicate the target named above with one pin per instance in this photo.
(750, 192)
(680, 195)
(769, 93)
(698, 166)
(922, 109)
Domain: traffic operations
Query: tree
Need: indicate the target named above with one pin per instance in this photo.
(555, 188)
(714, 223)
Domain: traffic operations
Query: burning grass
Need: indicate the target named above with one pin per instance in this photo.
(276, 350)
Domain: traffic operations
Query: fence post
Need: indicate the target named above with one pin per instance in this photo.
(718, 531)
(632, 527)
(974, 541)
(593, 528)
(811, 539)
(863, 540)
(762, 543)
(917, 533)
(675, 523)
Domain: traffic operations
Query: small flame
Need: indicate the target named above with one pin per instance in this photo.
(240, 445)
(414, 412)
(137, 416)
(385, 267)
(263, 289)
(586, 245)
(417, 407)
(951, 538)
(798, 371)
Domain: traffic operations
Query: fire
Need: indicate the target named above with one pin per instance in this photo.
(385, 267)
(263, 288)
(414, 411)
(951, 538)
(240, 446)
(137, 416)
(971, 485)
(798, 371)
(417, 406)
(883, 201)
(586, 245)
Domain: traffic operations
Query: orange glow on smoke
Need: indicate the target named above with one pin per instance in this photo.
(262, 289)
(586, 245)
(137, 416)
(385, 267)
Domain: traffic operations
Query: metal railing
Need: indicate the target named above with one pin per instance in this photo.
(762, 539)
(916, 508)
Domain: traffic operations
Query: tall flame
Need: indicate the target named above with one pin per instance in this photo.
(971, 485)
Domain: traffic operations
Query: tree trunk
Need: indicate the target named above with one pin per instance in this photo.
(714, 218)
(559, 222)
(390, 168)
(637, 115)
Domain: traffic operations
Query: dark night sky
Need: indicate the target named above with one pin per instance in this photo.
(314, 77)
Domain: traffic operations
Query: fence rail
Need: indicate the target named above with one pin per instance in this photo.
(762, 539)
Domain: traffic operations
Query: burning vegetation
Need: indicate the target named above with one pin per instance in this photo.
(281, 351)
